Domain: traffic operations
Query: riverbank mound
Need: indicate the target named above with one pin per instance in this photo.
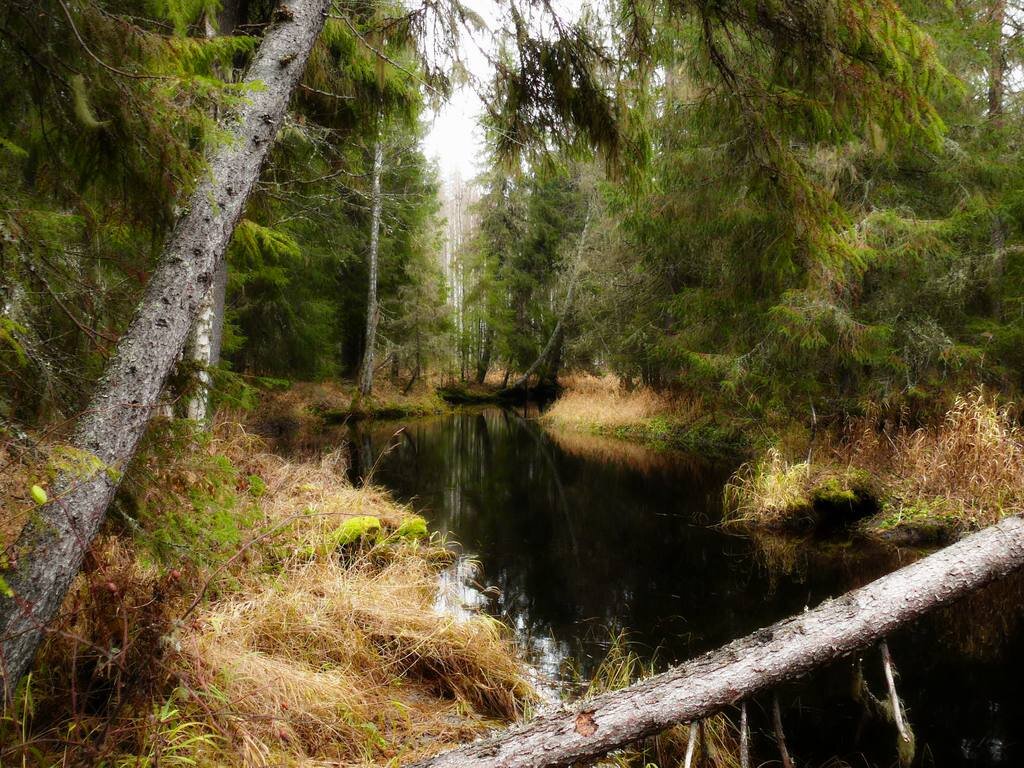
(603, 405)
(923, 486)
(242, 609)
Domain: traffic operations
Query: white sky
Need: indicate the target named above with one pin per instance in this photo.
(455, 139)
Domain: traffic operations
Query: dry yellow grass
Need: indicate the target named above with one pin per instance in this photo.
(350, 663)
(345, 659)
(972, 462)
(965, 472)
(603, 402)
(303, 655)
(591, 400)
(769, 492)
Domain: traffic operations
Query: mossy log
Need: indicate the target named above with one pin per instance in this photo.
(754, 664)
(51, 547)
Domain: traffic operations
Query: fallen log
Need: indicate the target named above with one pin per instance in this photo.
(756, 663)
(52, 545)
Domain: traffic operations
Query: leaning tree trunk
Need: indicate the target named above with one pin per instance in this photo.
(372, 310)
(51, 547)
(556, 334)
(756, 663)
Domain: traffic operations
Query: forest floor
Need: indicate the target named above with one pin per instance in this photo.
(245, 609)
(923, 487)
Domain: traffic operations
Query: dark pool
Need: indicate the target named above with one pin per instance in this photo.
(578, 538)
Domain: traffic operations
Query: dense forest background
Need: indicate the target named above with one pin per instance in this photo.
(749, 230)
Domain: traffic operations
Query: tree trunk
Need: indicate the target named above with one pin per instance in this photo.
(484, 363)
(553, 339)
(203, 345)
(754, 664)
(556, 334)
(372, 310)
(53, 543)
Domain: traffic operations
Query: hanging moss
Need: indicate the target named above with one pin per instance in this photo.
(83, 110)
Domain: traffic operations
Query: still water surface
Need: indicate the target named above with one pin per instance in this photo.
(577, 538)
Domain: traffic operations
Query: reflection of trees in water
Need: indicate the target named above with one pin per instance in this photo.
(788, 558)
(981, 625)
(575, 545)
(639, 458)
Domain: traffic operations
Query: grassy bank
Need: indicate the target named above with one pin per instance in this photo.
(241, 609)
(926, 485)
(330, 403)
(602, 406)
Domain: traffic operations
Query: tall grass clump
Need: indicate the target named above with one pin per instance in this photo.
(971, 464)
(662, 419)
(770, 491)
(602, 401)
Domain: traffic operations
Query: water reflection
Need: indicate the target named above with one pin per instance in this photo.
(578, 537)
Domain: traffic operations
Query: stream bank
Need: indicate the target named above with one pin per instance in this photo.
(243, 608)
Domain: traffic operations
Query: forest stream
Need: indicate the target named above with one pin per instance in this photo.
(571, 539)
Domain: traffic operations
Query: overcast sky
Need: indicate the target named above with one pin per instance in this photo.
(455, 139)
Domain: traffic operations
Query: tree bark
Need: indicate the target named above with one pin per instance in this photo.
(754, 664)
(372, 309)
(484, 363)
(203, 345)
(50, 549)
(556, 334)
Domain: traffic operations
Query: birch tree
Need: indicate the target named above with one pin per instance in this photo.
(203, 346)
(372, 305)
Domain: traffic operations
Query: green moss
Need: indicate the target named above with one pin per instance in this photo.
(38, 494)
(357, 529)
(833, 490)
(413, 528)
(917, 522)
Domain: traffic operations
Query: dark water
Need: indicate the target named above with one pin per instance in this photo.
(578, 538)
